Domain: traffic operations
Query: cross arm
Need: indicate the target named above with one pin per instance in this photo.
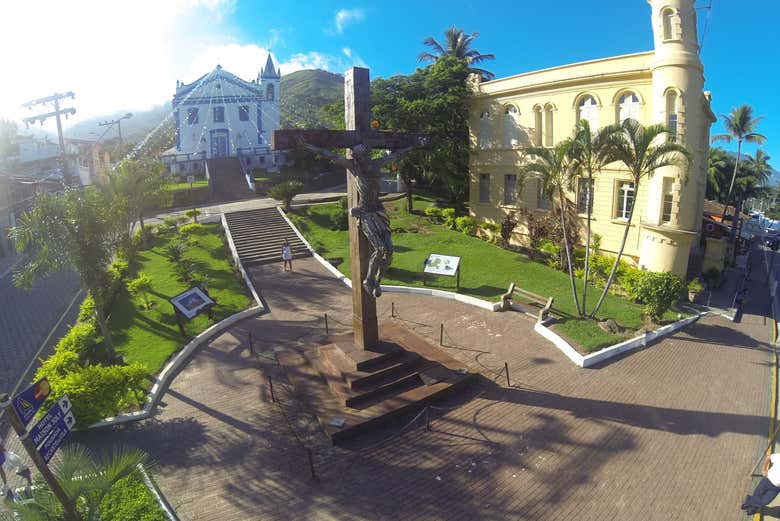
(293, 138)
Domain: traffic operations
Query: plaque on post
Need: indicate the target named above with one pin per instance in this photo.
(189, 304)
(447, 265)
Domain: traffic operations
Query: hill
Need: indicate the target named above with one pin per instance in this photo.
(303, 93)
(134, 128)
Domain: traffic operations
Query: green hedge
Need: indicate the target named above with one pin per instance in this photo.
(131, 500)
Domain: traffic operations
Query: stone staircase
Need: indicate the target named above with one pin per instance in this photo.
(227, 181)
(259, 235)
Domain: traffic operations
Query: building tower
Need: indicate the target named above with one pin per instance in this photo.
(671, 222)
(269, 79)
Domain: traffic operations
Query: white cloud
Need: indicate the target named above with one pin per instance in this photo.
(352, 58)
(346, 16)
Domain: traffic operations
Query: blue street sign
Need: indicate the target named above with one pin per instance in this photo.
(43, 428)
(53, 442)
(27, 402)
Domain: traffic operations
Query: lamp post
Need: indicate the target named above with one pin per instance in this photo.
(118, 123)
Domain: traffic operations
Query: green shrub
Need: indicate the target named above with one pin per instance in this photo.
(186, 269)
(491, 227)
(193, 214)
(433, 212)
(448, 214)
(79, 339)
(339, 220)
(285, 192)
(175, 251)
(169, 224)
(130, 500)
(595, 243)
(192, 229)
(119, 269)
(630, 282)
(466, 224)
(58, 365)
(549, 247)
(659, 291)
(87, 309)
(141, 286)
(343, 202)
(695, 286)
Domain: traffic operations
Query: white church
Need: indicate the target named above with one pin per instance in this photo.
(220, 115)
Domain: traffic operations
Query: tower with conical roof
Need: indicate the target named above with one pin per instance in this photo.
(270, 79)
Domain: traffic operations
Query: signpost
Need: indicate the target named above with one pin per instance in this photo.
(43, 428)
(15, 419)
(58, 431)
(189, 304)
(446, 265)
(27, 402)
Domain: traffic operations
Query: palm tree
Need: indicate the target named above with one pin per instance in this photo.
(590, 152)
(457, 44)
(718, 168)
(554, 168)
(86, 480)
(740, 125)
(642, 150)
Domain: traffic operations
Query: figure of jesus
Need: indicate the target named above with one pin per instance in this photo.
(371, 215)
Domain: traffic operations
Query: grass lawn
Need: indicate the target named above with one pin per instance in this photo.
(150, 337)
(486, 269)
(198, 183)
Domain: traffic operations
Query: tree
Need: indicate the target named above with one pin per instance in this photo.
(591, 151)
(643, 150)
(87, 480)
(740, 125)
(78, 229)
(141, 286)
(285, 192)
(457, 44)
(555, 168)
(136, 186)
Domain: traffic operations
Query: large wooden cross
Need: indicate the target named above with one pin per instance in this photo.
(358, 133)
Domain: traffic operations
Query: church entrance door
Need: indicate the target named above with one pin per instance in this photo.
(219, 143)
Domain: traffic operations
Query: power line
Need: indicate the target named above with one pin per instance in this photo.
(54, 98)
(706, 23)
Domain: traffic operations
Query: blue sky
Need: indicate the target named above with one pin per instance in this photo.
(128, 55)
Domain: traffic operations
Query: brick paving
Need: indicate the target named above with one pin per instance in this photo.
(667, 433)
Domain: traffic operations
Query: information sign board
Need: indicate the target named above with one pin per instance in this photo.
(27, 402)
(57, 436)
(441, 264)
(43, 428)
(191, 302)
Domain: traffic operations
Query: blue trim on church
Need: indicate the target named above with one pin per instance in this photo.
(178, 132)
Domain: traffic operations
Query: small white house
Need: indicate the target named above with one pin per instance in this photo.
(221, 115)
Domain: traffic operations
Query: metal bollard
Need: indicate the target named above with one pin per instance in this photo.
(427, 418)
(326, 324)
(251, 345)
(392, 310)
(311, 463)
(506, 368)
(441, 335)
(271, 389)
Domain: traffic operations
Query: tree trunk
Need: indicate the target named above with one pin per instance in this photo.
(105, 331)
(587, 246)
(562, 203)
(409, 205)
(734, 226)
(620, 253)
(731, 185)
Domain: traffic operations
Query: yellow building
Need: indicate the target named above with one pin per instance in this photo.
(541, 108)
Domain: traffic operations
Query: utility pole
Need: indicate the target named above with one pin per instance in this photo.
(54, 98)
(118, 123)
(70, 510)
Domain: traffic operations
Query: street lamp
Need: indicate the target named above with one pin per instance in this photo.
(118, 123)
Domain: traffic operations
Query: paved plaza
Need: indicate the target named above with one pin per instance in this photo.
(667, 433)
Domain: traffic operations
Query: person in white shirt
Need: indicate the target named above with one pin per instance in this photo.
(767, 489)
(286, 255)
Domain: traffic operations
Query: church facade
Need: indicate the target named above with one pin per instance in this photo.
(541, 108)
(221, 115)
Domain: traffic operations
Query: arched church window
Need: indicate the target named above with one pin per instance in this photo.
(269, 91)
(587, 109)
(538, 126)
(485, 122)
(667, 17)
(628, 107)
(548, 125)
(511, 127)
(671, 114)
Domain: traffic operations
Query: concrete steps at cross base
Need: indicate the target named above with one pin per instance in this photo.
(227, 180)
(259, 235)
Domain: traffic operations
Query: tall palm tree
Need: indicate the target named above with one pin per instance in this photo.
(457, 44)
(591, 151)
(642, 150)
(86, 480)
(554, 167)
(740, 125)
(718, 169)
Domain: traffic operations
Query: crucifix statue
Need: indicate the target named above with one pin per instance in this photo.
(371, 248)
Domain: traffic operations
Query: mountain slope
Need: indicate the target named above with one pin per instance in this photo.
(303, 93)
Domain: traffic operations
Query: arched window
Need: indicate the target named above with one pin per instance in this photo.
(548, 125)
(671, 114)
(269, 91)
(588, 110)
(485, 121)
(538, 126)
(511, 128)
(667, 16)
(628, 107)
